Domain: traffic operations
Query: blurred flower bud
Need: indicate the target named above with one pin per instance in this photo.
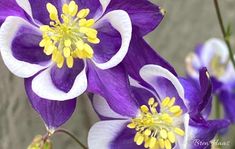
(40, 143)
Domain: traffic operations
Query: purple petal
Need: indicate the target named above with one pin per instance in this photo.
(39, 10)
(227, 98)
(144, 15)
(94, 6)
(198, 93)
(63, 78)
(105, 50)
(54, 113)
(125, 140)
(10, 8)
(113, 85)
(140, 54)
(205, 132)
(25, 46)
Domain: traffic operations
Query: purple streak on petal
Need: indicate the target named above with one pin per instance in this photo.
(64, 77)
(94, 6)
(140, 54)
(114, 86)
(10, 8)
(40, 12)
(54, 113)
(110, 43)
(145, 16)
(227, 98)
(198, 49)
(25, 46)
(142, 95)
(125, 140)
(206, 131)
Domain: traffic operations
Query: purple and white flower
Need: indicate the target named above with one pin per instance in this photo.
(55, 45)
(214, 55)
(162, 112)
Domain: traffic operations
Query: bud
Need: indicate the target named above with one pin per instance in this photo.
(39, 143)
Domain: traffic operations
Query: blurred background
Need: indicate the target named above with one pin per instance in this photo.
(187, 23)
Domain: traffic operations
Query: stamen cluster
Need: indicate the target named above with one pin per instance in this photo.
(156, 129)
(68, 39)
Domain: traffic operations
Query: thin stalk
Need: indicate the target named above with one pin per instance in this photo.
(226, 38)
(72, 136)
(218, 115)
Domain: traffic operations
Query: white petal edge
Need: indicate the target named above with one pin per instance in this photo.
(7, 33)
(104, 5)
(25, 5)
(102, 133)
(211, 48)
(102, 107)
(193, 65)
(149, 72)
(43, 86)
(120, 20)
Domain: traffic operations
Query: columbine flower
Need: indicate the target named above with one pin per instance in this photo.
(167, 113)
(54, 44)
(214, 55)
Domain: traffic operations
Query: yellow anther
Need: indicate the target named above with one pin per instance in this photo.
(151, 101)
(73, 8)
(131, 125)
(144, 108)
(161, 143)
(136, 136)
(69, 61)
(171, 137)
(179, 131)
(140, 140)
(172, 102)
(175, 109)
(166, 101)
(83, 13)
(70, 38)
(147, 132)
(163, 133)
(152, 142)
(167, 144)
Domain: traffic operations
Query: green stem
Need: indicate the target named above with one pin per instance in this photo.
(72, 136)
(217, 115)
(226, 38)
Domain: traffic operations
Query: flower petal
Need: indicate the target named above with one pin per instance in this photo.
(37, 10)
(145, 16)
(102, 133)
(117, 93)
(53, 113)
(47, 84)
(10, 8)
(140, 54)
(164, 82)
(8, 32)
(103, 109)
(121, 22)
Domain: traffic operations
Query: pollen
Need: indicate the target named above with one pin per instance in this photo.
(69, 36)
(157, 130)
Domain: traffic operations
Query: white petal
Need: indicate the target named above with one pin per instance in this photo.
(214, 47)
(25, 5)
(104, 4)
(102, 133)
(150, 72)
(193, 65)
(8, 31)
(120, 20)
(43, 86)
(102, 107)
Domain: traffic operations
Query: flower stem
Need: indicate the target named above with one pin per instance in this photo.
(225, 34)
(217, 115)
(72, 136)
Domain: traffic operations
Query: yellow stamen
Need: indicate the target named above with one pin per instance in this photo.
(70, 38)
(157, 129)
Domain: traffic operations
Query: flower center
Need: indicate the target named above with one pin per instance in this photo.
(69, 38)
(218, 68)
(157, 129)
